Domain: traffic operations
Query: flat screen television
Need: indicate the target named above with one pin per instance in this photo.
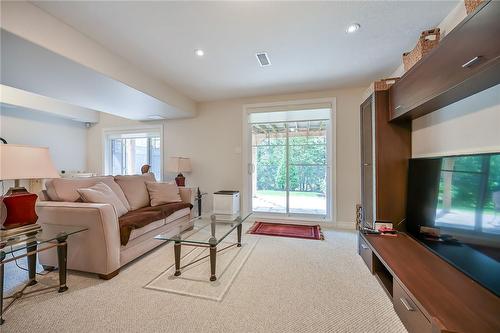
(453, 208)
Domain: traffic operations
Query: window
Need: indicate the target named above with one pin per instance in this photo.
(127, 151)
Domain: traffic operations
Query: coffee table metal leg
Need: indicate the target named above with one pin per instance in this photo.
(62, 260)
(177, 254)
(2, 257)
(213, 256)
(32, 263)
(239, 228)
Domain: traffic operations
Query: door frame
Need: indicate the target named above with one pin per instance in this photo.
(246, 195)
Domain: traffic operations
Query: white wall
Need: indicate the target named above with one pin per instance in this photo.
(66, 139)
(471, 125)
(213, 141)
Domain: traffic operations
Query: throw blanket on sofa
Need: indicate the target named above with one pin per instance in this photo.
(143, 216)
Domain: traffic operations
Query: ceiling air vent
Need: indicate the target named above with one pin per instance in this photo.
(263, 59)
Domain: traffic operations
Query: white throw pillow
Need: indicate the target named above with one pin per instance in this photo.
(102, 193)
(162, 193)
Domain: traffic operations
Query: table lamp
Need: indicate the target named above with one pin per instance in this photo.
(22, 162)
(179, 165)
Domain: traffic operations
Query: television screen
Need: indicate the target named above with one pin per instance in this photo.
(454, 209)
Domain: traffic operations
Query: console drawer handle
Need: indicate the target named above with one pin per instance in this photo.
(364, 246)
(471, 62)
(406, 304)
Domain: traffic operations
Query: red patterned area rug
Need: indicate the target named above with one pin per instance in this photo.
(287, 230)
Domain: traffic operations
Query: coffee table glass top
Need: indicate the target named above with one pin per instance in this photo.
(209, 230)
(48, 233)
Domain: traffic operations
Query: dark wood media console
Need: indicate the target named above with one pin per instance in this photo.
(428, 294)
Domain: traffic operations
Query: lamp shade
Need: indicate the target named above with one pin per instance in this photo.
(178, 164)
(25, 162)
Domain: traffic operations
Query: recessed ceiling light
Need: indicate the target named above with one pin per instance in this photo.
(353, 28)
(199, 52)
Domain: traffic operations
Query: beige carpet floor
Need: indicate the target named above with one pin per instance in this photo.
(285, 285)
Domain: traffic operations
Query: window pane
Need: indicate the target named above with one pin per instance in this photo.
(308, 154)
(268, 134)
(116, 156)
(269, 182)
(136, 155)
(307, 171)
(154, 153)
(307, 189)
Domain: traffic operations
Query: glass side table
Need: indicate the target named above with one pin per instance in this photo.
(28, 245)
(218, 232)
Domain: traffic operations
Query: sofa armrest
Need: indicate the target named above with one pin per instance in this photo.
(96, 250)
(186, 195)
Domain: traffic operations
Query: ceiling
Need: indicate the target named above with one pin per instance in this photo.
(306, 41)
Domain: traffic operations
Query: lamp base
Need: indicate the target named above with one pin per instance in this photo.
(20, 205)
(180, 180)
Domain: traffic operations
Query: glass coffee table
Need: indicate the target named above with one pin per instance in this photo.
(219, 230)
(28, 245)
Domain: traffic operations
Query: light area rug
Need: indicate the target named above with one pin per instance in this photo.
(194, 279)
(286, 285)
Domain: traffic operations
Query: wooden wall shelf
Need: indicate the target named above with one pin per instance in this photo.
(428, 294)
(449, 72)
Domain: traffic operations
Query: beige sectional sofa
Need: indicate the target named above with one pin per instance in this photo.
(100, 249)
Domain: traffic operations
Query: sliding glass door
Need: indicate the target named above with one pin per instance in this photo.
(269, 177)
(307, 167)
(290, 167)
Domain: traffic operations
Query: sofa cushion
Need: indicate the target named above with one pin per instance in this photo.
(157, 224)
(134, 188)
(65, 189)
(142, 217)
(136, 246)
(177, 214)
(102, 193)
(162, 193)
(141, 231)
